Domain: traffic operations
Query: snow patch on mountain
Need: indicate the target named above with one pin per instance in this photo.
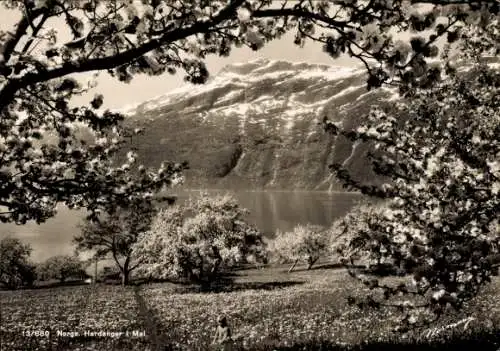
(258, 124)
(237, 78)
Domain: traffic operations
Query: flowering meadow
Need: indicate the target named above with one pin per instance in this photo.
(267, 309)
(70, 318)
(313, 311)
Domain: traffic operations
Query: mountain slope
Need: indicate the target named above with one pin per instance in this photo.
(256, 125)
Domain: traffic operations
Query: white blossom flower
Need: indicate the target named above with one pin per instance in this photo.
(372, 132)
(494, 167)
(495, 188)
(243, 14)
(399, 238)
(362, 129)
(412, 319)
(389, 214)
(476, 139)
(101, 141)
(432, 166)
(131, 156)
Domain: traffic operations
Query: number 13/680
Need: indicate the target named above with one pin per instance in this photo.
(36, 333)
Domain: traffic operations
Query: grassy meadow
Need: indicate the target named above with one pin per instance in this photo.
(268, 309)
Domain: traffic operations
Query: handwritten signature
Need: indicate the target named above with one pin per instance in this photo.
(436, 331)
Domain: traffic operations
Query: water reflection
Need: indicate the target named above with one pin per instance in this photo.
(270, 211)
(50, 238)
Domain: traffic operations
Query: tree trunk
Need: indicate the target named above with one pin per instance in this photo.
(293, 266)
(95, 271)
(189, 273)
(125, 278)
(217, 263)
(311, 262)
(126, 271)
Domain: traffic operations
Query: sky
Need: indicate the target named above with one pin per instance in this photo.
(143, 87)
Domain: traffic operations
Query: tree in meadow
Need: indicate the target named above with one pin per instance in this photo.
(45, 160)
(440, 152)
(114, 235)
(61, 268)
(342, 231)
(199, 240)
(16, 269)
(304, 243)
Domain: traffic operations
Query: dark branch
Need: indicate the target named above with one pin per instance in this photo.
(300, 13)
(109, 62)
(21, 29)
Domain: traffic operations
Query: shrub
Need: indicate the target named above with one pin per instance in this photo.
(15, 268)
(304, 242)
(199, 240)
(61, 268)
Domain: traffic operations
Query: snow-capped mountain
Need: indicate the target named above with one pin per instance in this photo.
(256, 125)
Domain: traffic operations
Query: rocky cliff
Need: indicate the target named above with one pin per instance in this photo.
(257, 125)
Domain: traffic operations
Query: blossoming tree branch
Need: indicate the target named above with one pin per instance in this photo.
(439, 154)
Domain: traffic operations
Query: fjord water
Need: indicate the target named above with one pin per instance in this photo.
(269, 211)
(273, 210)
